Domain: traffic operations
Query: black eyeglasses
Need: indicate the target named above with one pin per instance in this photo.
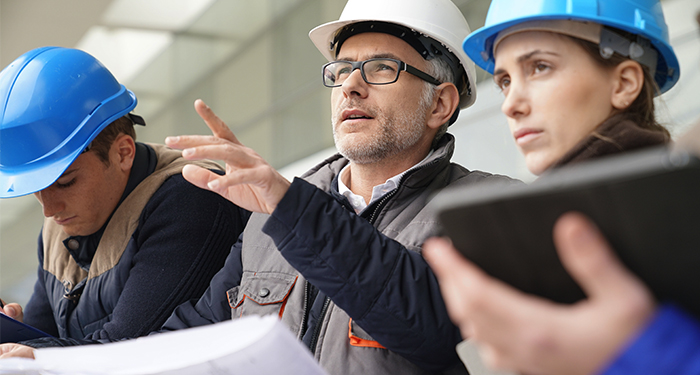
(374, 72)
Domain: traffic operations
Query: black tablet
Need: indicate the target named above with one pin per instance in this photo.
(12, 330)
(647, 203)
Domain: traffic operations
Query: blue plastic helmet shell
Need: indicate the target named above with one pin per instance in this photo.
(53, 102)
(641, 17)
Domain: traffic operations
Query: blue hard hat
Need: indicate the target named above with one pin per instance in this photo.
(641, 17)
(53, 102)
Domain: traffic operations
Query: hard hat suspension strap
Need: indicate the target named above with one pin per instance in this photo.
(639, 50)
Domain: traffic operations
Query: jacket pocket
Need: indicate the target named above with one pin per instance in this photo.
(358, 337)
(261, 293)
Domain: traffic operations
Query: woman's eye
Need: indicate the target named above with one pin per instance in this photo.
(540, 67)
(503, 83)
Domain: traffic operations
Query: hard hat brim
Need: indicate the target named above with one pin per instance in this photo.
(28, 179)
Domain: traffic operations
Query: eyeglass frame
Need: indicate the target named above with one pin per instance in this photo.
(402, 66)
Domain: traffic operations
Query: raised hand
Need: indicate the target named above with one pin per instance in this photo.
(250, 182)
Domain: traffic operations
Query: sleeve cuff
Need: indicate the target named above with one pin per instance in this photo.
(289, 209)
(670, 344)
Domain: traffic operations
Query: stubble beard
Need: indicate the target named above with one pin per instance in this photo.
(397, 132)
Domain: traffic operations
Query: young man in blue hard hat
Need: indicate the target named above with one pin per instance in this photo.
(336, 254)
(126, 239)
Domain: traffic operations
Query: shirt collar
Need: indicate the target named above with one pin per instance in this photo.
(358, 202)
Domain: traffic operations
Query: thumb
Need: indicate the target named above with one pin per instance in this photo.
(10, 311)
(14, 310)
(589, 258)
(442, 257)
(198, 176)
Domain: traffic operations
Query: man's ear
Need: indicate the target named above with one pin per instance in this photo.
(446, 101)
(125, 149)
(628, 79)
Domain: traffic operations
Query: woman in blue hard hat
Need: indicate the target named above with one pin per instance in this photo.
(579, 78)
(125, 238)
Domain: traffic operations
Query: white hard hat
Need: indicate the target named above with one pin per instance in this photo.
(439, 20)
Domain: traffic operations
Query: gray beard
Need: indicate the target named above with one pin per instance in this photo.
(396, 134)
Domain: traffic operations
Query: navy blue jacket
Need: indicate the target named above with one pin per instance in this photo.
(354, 261)
(182, 239)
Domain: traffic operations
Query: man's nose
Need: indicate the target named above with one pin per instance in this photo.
(355, 84)
(50, 202)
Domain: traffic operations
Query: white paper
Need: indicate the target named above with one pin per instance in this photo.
(251, 345)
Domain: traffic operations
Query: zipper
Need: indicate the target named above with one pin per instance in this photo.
(319, 323)
(305, 318)
(327, 300)
(380, 204)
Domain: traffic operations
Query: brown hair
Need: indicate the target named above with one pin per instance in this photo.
(103, 142)
(641, 111)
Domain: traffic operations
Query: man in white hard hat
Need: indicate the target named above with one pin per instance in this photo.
(336, 254)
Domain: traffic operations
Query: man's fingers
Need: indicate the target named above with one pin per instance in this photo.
(221, 133)
(235, 156)
(206, 179)
(590, 260)
(198, 176)
(16, 350)
(217, 126)
(182, 142)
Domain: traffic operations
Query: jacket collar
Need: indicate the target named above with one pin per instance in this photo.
(616, 134)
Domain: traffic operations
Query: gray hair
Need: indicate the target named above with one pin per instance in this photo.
(440, 70)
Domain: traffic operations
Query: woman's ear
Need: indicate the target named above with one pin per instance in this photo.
(446, 101)
(629, 81)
